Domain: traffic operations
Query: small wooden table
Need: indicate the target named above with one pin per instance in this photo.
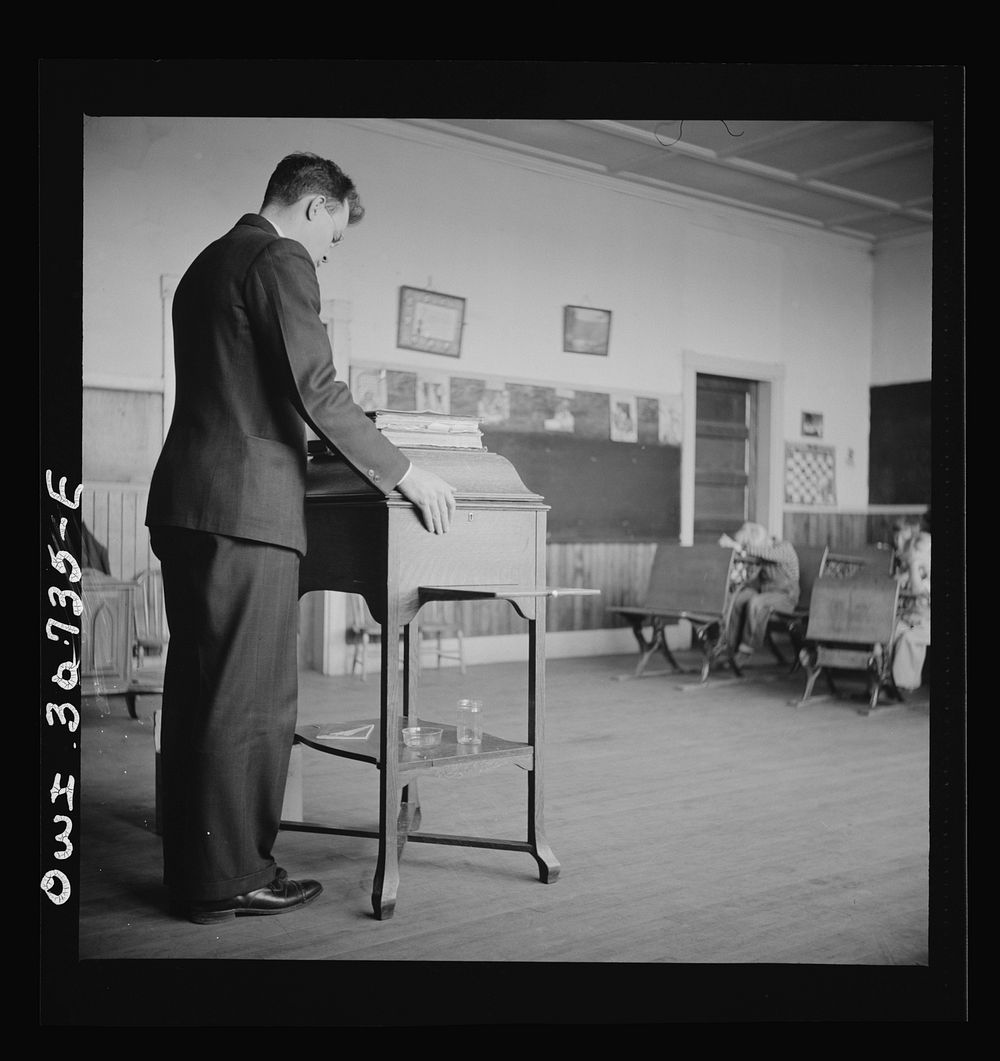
(363, 542)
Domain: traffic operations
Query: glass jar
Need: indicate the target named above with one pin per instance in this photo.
(469, 721)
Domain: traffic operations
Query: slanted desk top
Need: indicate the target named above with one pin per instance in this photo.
(360, 541)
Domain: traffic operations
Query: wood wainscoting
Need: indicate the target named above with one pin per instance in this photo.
(115, 513)
(843, 531)
(620, 570)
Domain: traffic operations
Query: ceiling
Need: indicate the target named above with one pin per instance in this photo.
(865, 179)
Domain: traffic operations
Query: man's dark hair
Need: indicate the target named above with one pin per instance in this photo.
(304, 173)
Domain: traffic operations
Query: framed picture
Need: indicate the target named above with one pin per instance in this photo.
(810, 474)
(586, 331)
(812, 425)
(430, 322)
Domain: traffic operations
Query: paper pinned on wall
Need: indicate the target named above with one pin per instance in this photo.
(369, 387)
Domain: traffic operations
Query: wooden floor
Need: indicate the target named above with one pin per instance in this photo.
(718, 831)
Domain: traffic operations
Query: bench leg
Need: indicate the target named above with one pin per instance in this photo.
(879, 679)
(657, 642)
(812, 673)
(646, 648)
(660, 628)
(710, 638)
(807, 659)
(797, 634)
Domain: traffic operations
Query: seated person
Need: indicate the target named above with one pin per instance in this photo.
(904, 530)
(912, 565)
(775, 586)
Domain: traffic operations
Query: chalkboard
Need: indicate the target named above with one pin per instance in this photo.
(598, 490)
(899, 444)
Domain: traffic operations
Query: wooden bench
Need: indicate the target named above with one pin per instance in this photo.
(692, 582)
(851, 624)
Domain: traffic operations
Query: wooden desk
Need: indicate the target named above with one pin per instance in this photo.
(851, 626)
(362, 542)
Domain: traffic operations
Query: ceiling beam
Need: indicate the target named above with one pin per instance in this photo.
(712, 158)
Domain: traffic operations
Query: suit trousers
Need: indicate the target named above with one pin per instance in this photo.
(230, 700)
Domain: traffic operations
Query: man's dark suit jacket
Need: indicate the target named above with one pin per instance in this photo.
(253, 365)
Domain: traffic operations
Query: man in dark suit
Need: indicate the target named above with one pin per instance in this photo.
(226, 517)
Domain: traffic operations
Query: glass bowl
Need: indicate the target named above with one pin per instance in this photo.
(421, 736)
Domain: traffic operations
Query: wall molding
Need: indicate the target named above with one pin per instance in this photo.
(139, 384)
(864, 510)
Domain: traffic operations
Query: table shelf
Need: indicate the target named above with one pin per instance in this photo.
(447, 757)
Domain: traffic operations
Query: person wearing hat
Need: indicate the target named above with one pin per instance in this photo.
(774, 587)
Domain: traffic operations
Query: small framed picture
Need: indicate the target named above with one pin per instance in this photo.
(430, 321)
(586, 331)
(812, 425)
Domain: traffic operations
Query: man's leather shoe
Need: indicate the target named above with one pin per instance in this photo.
(278, 897)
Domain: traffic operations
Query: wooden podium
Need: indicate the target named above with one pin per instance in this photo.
(361, 542)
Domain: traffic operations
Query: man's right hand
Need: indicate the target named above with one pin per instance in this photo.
(433, 497)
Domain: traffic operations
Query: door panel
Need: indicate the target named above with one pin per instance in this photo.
(717, 503)
(715, 454)
(725, 455)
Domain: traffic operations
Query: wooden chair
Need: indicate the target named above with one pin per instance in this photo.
(150, 637)
(851, 624)
(366, 636)
(696, 583)
(363, 632)
(149, 631)
(438, 629)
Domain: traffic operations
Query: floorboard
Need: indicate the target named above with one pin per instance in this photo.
(724, 828)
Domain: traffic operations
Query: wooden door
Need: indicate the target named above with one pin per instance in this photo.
(725, 455)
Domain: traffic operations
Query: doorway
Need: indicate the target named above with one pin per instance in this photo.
(726, 455)
(733, 448)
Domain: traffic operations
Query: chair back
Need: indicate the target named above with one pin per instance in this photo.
(692, 578)
(812, 560)
(149, 613)
(856, 610)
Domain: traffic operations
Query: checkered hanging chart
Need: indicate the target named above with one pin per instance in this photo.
(810, 474)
